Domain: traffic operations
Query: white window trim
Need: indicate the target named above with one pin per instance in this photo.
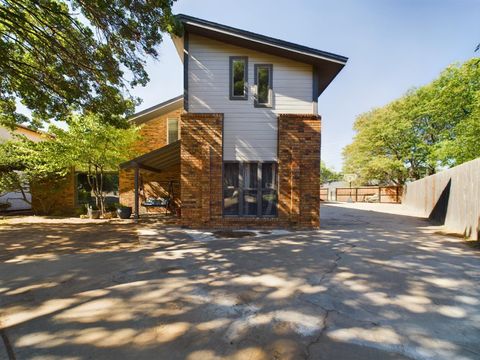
(168, 129)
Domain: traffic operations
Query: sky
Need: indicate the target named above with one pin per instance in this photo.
(392, 46)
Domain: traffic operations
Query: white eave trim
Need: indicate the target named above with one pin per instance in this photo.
(155, 109)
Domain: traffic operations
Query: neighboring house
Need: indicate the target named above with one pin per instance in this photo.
(241, 146)
(332, 187)
(15, 199)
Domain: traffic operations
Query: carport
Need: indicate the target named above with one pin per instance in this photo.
(156, 161)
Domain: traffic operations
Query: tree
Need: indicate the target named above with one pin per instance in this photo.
(430, 127)
(94, 147)
(90, 145)
(59, 56)
(380, 147)
(457, 109)
(328, 175)
(26, 164)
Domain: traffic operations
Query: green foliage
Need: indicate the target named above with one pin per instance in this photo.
(23, 160)
(328, 175)
(90, 142)
(95, 147)
(89, 145)
(430, 127)
(58, 56)
(25, 164)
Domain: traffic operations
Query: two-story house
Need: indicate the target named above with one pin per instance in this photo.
(241, 146)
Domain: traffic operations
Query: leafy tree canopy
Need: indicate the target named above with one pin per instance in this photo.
(25, 163)
(94, 147)
(428, 128)
(59, 56)
(328, 175)
(90, 145)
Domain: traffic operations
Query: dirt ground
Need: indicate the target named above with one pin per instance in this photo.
(373, 283)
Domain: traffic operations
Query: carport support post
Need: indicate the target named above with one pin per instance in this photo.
(137, 175)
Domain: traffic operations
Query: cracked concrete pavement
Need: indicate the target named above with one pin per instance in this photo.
(373, 283)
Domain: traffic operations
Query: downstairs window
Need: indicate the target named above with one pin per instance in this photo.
(250, 189)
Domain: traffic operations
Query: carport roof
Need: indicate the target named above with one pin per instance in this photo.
(156, 160)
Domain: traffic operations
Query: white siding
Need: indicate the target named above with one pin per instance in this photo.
(249, 133)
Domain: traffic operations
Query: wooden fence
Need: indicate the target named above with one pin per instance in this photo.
(323, 194)
(383, 194)
(450, 197)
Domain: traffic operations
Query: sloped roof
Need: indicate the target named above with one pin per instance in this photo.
(157, 110)
(156, 160)
(326, 64)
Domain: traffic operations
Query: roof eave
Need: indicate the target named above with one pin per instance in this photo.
(327, 64)
(157, 110)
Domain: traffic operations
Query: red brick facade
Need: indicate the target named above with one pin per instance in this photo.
(201, 169)
(198, 179)
(154, 132)
(299, 173)
(56, 197)
(152, 184)
(299, 170)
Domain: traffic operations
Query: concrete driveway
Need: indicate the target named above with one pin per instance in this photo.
(370, 285)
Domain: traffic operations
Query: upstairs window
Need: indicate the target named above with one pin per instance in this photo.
(263, 84)
(238, 77)
(172, 130)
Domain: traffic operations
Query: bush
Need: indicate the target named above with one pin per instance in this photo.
(81, 210)
(4, 206)
(111, 207)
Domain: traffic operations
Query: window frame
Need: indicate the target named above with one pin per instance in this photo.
(92, 199)
(168, 130)
(270, 85)
(245, 77)
(224, 188)
(241, 189)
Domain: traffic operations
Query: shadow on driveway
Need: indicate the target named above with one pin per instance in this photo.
(367, 285)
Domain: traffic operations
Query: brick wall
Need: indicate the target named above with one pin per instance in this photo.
(59, 196)
(299, 173)
(201, 169)
(299, 170)
(154, 132)
(153, 136)
(54, 197)
(152, 185)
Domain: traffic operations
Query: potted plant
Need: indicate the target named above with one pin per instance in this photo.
(93, 212)
(124, 212)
